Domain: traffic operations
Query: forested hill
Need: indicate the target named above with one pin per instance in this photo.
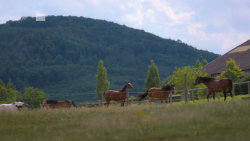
(60, 55)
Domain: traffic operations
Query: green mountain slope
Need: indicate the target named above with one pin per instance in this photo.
(60, 55)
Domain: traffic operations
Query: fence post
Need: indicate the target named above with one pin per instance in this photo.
(192, 95)
(185, 89)
(206, 91)
(233, 91)
(171, 97)
(248, 86)
(198, 94)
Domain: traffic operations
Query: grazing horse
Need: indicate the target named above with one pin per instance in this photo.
(159, 93)
(120, 95)
(216, 85)
(13, 106)
(58, 104)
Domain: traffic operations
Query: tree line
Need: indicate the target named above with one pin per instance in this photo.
(31, 95)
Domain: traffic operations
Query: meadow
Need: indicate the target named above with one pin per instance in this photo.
(216, 120)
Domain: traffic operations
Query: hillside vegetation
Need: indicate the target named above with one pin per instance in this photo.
(222, 121)
(60, 55)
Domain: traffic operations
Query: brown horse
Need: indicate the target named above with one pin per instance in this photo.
(120, 95)
(216, 85)
(58, 104)
(158, 93)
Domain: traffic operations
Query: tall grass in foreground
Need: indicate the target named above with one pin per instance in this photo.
(205, 121)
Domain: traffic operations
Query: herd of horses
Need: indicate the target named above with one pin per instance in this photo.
(214, 85)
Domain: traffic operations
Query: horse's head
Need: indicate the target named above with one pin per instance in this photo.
(203, 80)
(169, 88)
(197, 81)
(26, 105)
(172, 88)
(129, 85)
(20, 105)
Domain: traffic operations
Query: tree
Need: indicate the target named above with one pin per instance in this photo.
(245, 77)
(3, 93)
(232, 71)
(177, 77)
(34, 97)
(153, 78)
(102, 83)
(205, 62)
(8, 93)
(198, 64)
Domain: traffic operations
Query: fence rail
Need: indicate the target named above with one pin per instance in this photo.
(239, 83)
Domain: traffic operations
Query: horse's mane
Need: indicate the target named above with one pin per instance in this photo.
(166, 88)
(124, 88)
(206, 79)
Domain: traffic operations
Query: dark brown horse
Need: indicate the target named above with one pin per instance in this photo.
(120, 95)
(158, 93)
(58, 104)
(216, 85)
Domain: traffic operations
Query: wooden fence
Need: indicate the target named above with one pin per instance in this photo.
(240, 83)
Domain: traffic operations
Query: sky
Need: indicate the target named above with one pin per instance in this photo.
(213, 25)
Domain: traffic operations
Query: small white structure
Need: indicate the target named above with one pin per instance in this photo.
(40, 18)
(12, 106)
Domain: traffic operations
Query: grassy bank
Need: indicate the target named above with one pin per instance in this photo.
(204, 121)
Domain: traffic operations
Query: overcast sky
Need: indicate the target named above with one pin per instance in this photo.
(213, 25)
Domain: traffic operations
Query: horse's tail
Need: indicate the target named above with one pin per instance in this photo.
(74, 104)
(230, 85)
(142, 96)
(44, 103)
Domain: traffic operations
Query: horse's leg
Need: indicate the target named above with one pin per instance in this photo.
(122, 103)
(52, 106)
(231, 94)
(214, 96)
(208, 95)
(151, 99)
(107, 103)
(225, 95)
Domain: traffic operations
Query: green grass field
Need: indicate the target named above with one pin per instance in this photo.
(216, 120)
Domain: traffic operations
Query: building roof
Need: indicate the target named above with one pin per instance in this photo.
(241, 55)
